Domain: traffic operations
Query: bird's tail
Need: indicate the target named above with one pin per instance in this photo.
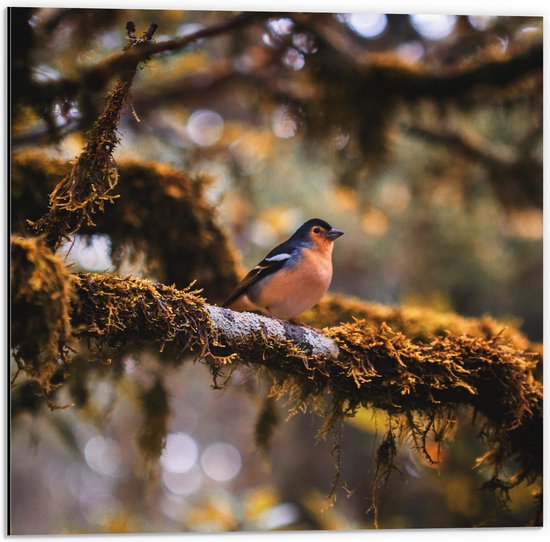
(227, 303)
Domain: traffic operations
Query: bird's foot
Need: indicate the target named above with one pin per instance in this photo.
(297, 322)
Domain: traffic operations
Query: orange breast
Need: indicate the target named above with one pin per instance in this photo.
(292, 291)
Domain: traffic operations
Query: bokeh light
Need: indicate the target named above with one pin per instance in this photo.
(183, 483)
(340, 139)
(410, 51)
(282, 26)
(180, 453)
(395, 195)
(270, 40)
(293, 59)
(280, 515)
(187, 29)
(103, 455)
(221, 461)
(44, 73)
(91, 253)
(481, 22)
(283, 123)
(434, 27)
(367, 25)
(205, 127)
(304, 42)
(375, 222)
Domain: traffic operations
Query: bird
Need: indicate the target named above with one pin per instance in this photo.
(293, 277)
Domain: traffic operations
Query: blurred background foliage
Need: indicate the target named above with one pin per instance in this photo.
(420, 136)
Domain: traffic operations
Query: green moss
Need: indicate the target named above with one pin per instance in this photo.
(41, 291)
(92, 179)
(267, 421)
(417, 323)
(423, 382)
(161, 213)
(385, 459)
(90, 184)
(115, 312)
(154, 425)
(420, 381)
(365, 91)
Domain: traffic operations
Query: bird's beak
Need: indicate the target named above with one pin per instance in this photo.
(334, 234)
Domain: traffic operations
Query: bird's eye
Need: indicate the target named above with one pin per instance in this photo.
(317, 229)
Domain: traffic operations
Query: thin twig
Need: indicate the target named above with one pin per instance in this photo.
(17, 373)
(131, 29)
(94, 175)
(503, 168)
(102, 72)
(148, 36)
(460, 143)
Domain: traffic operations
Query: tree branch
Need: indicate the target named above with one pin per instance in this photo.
(460, 143)
(98, 75)
(186, 243)
(94, 175)
(387, 74)
(355, 364)
(503, 172)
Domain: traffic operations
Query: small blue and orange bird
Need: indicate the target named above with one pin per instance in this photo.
(293, 277)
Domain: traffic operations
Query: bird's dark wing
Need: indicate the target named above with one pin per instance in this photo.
(274, 261)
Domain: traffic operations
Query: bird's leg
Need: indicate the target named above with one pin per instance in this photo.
(269, 313)
(297, 322)
(293, 321)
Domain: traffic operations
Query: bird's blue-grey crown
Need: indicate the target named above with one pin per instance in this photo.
(302, 233)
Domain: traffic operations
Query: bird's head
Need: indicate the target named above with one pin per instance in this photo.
(317, 233)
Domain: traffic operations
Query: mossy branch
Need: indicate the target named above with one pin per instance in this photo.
(393, 77)
(187, 242)
(420, 324)
(42, 289)
(503, 171)
(94, 174)
(356, 364)
(99, 74)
